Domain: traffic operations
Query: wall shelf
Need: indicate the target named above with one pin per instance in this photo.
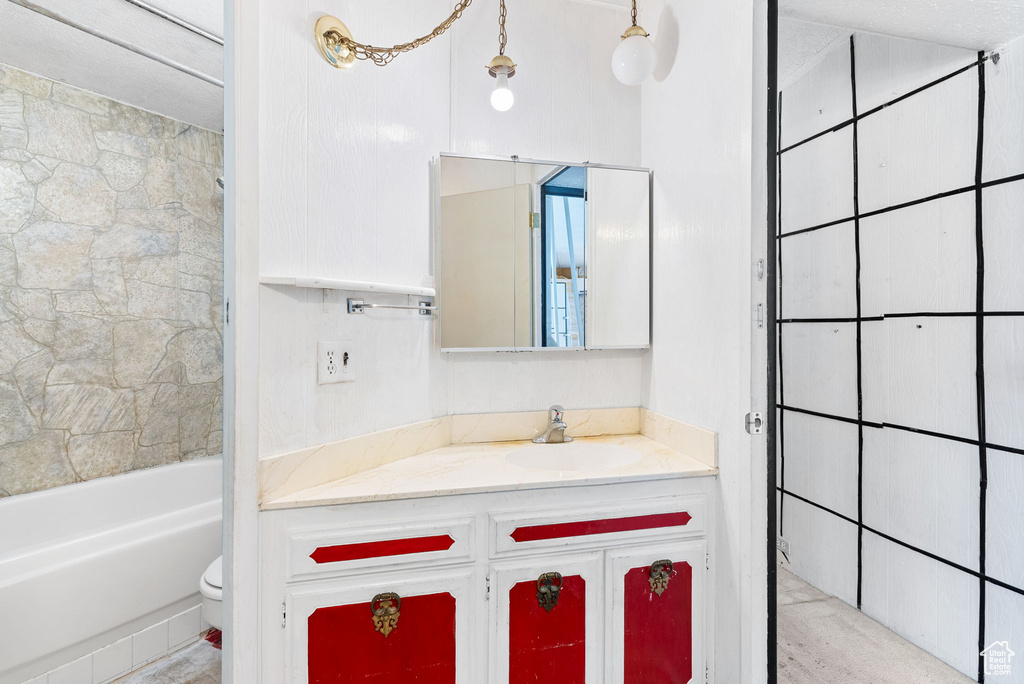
(351, 285)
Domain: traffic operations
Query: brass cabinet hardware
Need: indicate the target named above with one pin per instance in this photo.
(661, 573)
(386, 609)
(549, 585)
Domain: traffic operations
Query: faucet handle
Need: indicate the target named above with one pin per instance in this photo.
(556, 413)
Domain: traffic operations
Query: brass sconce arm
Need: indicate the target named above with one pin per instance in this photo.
(341, 50)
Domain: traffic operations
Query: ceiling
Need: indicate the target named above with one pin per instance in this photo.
(206, 14)
(973, 24)
(96, 45)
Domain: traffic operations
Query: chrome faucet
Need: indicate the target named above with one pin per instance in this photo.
(555, 433)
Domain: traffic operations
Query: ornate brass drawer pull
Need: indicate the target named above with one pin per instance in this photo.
(386, 609)
(661, 573)
(549, 585)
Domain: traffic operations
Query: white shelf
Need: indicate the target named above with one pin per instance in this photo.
(353, 285)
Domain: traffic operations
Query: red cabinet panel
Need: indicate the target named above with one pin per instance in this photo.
(548, 646)
(659, 629)
(604, 526)
(344, 647)
(377, 549)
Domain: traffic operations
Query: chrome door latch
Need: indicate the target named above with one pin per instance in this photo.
(754, 423)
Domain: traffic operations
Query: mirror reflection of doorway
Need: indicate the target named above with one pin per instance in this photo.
(563, 222)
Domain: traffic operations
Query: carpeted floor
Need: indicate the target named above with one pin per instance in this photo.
(197, 664)
(822, 640)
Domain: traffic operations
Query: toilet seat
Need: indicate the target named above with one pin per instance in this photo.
(211, 587)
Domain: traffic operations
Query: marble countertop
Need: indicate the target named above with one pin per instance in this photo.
(475, 468)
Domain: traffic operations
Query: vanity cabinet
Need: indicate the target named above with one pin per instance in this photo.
(603, 584)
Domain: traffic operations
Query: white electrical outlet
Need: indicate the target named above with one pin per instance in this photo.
(783, 545)
(335, 362)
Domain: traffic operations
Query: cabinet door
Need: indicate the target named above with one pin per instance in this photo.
(401, 627)
(546, 620)
(657, 596)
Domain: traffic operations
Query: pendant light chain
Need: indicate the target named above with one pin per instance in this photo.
(502, 37)
(634, 12)
(382, 56)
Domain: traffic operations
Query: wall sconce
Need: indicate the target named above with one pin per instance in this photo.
(502, 68)
(634, 59)
(341, 50)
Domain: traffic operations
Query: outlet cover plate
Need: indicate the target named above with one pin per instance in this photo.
(335, 362)
(782, 544)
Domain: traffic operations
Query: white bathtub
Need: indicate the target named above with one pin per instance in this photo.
(84, 565)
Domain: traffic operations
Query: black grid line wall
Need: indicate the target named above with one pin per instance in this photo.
(901, 336)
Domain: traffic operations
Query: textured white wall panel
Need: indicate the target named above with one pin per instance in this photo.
(1004, 112)
(1004, 381)
(518, 381)
(1004, 559)
(819, 275)
(926, 602)
(889, 67)
(817, 181)
(569, 107)
(820, 367)
(818, 99)
(921, 146)
(921, 258)
(1004, 247)
(1004, 621)
(821, 461)
(932, 365)
(924, 491)
(824, 549)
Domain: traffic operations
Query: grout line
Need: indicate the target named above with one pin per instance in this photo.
(919, 314)
(857, 117)
(781, 377)
(896, 426)
(900, 542)
(980, 368)
(860, 356)
(909, 203)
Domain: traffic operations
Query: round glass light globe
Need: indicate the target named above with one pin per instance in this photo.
(634, 59)
(502, 98)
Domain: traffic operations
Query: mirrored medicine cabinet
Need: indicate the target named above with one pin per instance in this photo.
(542, 255)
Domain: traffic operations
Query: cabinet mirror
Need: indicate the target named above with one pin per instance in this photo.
(542, 255)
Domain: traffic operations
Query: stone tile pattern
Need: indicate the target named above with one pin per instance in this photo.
(111, 274)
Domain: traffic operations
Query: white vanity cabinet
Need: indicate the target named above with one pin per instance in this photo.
(591, 584)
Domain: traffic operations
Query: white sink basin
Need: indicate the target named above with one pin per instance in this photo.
(573, 456)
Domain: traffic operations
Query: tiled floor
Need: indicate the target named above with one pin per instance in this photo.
(197, 664)
(823, 640)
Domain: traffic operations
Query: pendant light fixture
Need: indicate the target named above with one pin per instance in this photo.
(501, 69)
(634, 59)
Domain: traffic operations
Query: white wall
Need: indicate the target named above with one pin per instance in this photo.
(699, 122)
(345, 193)
(917, 372)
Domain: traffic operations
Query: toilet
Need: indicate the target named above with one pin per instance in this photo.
(211, 587)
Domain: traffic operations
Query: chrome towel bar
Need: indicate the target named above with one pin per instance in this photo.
(358, 306)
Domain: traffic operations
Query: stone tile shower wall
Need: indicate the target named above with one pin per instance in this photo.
(110, 287)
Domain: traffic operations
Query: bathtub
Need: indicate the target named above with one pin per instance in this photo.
(84, 565)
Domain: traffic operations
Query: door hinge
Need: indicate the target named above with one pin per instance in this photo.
(284, 614)
(707, 674)
(227, 312)
(707, 560)
(760, 269)
(754, 422)
(487, 589)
